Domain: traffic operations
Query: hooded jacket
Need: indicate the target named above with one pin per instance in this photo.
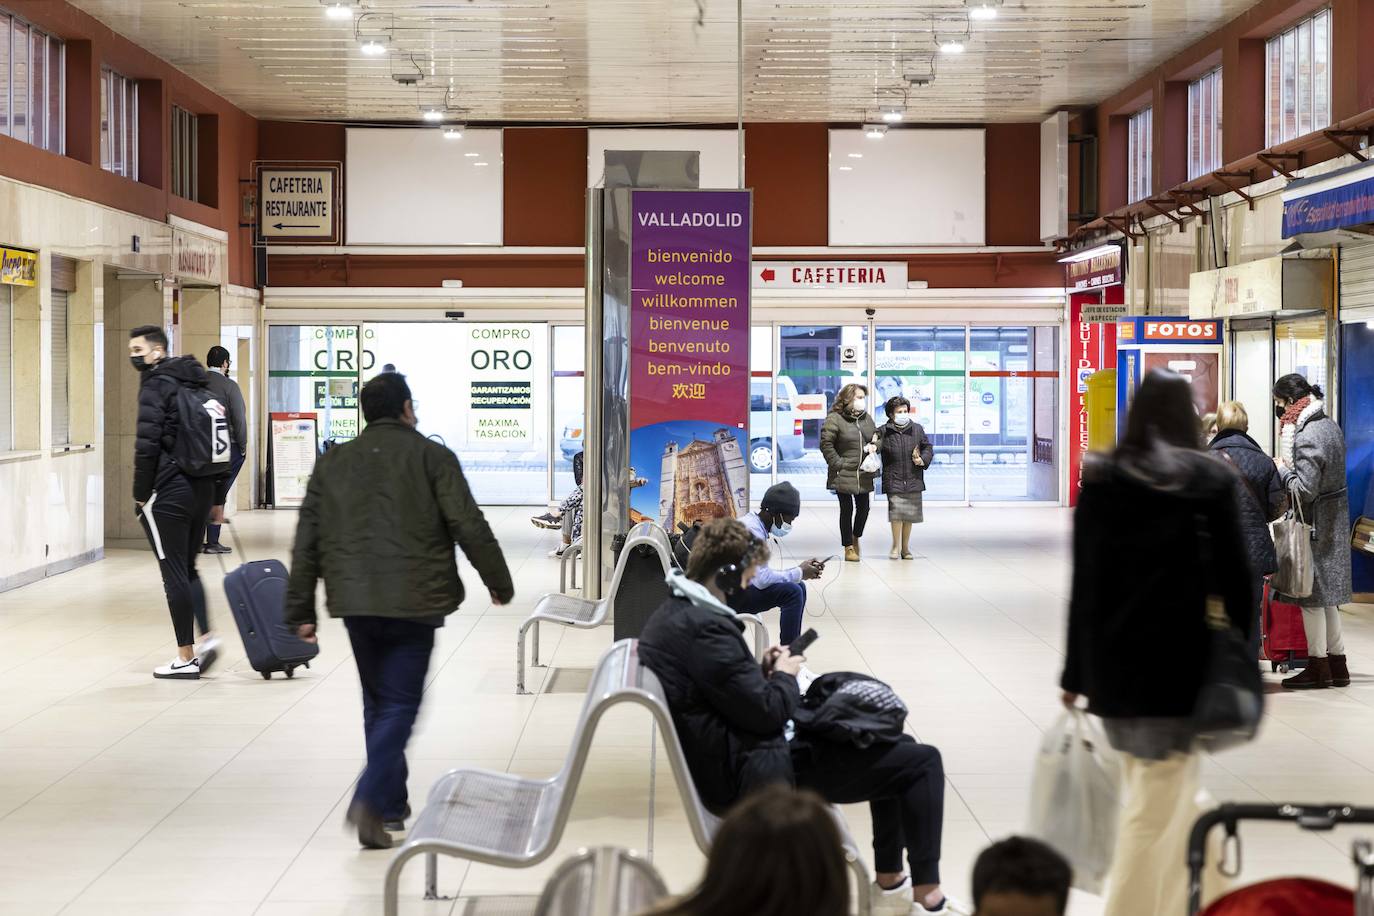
(158, 421)
(1260, 495)
(1153, 536)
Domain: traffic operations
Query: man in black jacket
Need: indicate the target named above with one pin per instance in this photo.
(172, 506)
(379, 521)
(228, 393)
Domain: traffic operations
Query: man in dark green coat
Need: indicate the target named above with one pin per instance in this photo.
(378, 524)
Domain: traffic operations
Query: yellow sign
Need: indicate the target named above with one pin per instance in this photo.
(18, 267)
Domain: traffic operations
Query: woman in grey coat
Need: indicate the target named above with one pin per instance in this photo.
(847, 437)
(1311, 463)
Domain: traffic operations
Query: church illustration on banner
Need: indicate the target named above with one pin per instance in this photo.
(703, 480)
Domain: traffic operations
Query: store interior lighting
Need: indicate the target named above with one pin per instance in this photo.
(339, 9)
(433, 115)
(875, 131)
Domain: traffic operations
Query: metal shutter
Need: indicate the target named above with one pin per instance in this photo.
(1357, 275)
(6, 362)
(61, 408)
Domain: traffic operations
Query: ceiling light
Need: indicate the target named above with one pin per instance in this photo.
(339, 9)
(893, 116)
(455, 133)
(373, 46)
(433, 115)
(951, 46)
(875, 131)
(846, 168)
(856, 155)
(982, 9)
(1087, 254)
(479, 163)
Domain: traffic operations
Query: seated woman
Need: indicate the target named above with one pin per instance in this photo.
(733, 715)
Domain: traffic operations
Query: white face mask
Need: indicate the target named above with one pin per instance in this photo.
(859, 406)
(901, 419)
(782, 529)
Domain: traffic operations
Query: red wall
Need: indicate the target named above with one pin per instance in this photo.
(91, 46)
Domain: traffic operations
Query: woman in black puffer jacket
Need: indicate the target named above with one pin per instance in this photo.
(906, 454)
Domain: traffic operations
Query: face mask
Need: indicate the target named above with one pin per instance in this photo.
(1279, 411)
(696, 593)
(902, 419)
(859, 406)
(140, 363)
(782, 529)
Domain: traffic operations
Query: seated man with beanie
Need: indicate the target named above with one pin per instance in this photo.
(777, 588)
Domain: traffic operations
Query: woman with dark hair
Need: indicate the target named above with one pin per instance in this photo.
(1311, 464)
(1156, 536)
(777, 854)
(847, 437)
(906, 454)
(734, 714)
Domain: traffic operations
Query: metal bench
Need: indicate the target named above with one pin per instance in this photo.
(606, 881)
(501, 819)
(586, 613)
(566, 566)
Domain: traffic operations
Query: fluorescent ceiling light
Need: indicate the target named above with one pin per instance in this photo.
(982, 9)
(893, 115)
(875, 131)
(951, 46)
(433, 115)
(335, 9)
(455, 132)
(1087, 254)
(373, 46)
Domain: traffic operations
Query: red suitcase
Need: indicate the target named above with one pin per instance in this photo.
(1283, 640)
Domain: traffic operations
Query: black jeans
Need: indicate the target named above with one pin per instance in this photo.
(174, 520)
(904, 785)
(853, 516)
(392, 657)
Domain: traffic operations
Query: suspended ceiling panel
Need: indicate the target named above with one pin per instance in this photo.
(663, 61)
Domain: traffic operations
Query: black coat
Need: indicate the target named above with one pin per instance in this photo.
(900, 473)
(1260, 495)
(729, 717)
(158, 420)
(1142, 570)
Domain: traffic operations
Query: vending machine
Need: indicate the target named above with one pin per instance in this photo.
(1189, 347)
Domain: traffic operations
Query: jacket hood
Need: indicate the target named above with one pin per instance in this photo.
(186, 369)
(1235, 438)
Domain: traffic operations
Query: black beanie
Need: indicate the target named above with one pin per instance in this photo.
(783, 499)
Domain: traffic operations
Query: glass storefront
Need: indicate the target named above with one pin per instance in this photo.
(507, 397)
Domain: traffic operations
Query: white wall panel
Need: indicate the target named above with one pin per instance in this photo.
(1054, 176)
(912, 187)
(719, 151)
(415, 187)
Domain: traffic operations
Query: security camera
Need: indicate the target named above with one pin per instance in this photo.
(870, 312)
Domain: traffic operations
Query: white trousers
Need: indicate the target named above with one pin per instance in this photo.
(1149, 875)
(1323, 628)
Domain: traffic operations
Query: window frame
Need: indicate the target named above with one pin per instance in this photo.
(1205, 124)
(39, 91)
(119, 131)
(1140, 154)
(1297, 83)
(185, 154)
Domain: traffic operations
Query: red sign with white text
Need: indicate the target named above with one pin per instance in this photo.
(1092, 347)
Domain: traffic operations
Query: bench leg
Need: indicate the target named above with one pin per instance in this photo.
(520, 660)
(534, 654)
(432, 877)
(391, 893)
(861, 881)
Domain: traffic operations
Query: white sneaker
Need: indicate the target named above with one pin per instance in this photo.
(557, 553)
(177, 669)
(895, 902)
(950, 905)
(207, 652)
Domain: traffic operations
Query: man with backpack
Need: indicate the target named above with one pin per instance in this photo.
(227, 392)
(183, 444)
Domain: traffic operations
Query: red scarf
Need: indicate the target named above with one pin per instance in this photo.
(1290, 416)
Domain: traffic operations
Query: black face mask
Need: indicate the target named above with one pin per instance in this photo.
(139, 363)
(1279, 411)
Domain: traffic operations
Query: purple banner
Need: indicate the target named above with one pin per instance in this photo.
(689, 354)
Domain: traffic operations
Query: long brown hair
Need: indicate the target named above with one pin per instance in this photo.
(777, 854)
(844, 401)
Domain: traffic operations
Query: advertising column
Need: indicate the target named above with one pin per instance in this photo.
(689, 355)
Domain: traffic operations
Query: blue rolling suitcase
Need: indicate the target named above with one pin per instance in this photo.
(257, 598)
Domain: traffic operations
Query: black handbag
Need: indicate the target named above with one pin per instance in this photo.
(1230, 703)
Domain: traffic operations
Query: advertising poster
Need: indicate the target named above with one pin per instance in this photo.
(905, 373)
(295, 445)
(949, 392)
(689, 354)
(985, 394)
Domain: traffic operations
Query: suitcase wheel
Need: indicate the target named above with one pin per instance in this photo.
(290, 672)
(267, 675)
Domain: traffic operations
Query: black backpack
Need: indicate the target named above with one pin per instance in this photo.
(851, 708)
(204, 446)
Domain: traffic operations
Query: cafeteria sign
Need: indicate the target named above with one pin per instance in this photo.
(298, 203)
(18, 267)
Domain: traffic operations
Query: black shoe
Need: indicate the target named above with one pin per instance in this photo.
(371, 831)
(217, 548)
(397, 824)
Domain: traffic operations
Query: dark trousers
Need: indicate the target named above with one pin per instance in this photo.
(904, 785)
(174, 520)
(788, 597)
(853, 516)
(392, 658)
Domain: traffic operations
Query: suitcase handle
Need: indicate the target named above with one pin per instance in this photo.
(1307, 817)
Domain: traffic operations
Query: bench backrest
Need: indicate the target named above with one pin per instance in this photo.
(645, 534)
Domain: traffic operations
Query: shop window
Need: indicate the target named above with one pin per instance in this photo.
(185, 154)
(6, 370)
(1204, 125)
(1298, 79)
(1140, 150)
(118, 124)
(32, 85)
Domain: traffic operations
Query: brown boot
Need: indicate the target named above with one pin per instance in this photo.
(1340, 672)
(851, 555)
(1317, 675)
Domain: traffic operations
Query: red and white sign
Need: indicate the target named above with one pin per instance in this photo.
(830, 274)
(1092, 347)
(810, 406)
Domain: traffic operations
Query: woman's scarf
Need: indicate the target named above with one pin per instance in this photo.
(1296, 415)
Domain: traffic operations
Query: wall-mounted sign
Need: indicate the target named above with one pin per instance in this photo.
(1168, 330)
(18, 267)
(298, 203)
(829, 274)
(1331, 201)
(1104, 268)
(194, 257)
(294, 446)
(1103, 314)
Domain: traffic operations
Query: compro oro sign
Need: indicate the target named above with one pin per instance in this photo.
(298, 203)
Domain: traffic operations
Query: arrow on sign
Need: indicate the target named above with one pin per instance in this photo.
(767, 275)
(293, 226)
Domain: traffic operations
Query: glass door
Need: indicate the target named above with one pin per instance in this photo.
(1252, 376)
(1012, 422)
(814, 363)
(569, 423)
(925, 365)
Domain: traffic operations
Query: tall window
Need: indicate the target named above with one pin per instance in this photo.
(1140, 150)
(1204, 125)
(118, 124)
(185, 149)
(32, 85)
(1298, 79)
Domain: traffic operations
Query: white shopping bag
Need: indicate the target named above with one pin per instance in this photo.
(1076, 798)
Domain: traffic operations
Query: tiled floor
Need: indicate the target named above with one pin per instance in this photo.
(121, 794)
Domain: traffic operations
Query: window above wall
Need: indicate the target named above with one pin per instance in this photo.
(1204, 125)
(33, 82)
(1140, 149)
(118, 124)
(1297, 83)
(185, 154)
